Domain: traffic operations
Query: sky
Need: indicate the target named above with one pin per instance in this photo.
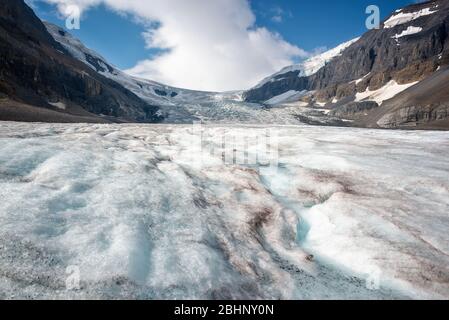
(212, 45)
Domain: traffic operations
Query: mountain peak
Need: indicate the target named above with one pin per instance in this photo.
(409, 49)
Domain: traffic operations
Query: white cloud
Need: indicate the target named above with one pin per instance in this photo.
(277, 19)
(278, 14)
(208, 44)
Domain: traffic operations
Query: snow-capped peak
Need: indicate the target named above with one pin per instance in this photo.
(311, 65)
(153, 92)
(78, 50)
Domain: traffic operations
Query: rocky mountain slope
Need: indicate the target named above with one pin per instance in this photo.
(169, 99)
(362, 83)
(301, 70)
(40, 80)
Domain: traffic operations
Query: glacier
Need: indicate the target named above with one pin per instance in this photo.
(341, 213)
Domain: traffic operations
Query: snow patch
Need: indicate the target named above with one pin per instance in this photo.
(59, 105)
(389, 91)
(284, 97)
(409, 31)
(361, 79)
(402, 18)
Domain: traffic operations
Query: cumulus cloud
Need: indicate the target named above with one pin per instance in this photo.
(206, 44)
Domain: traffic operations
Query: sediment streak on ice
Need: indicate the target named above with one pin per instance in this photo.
(127, 206)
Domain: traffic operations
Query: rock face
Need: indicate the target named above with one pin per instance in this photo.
(425, 105)
(351, 109)
(413, 115)
(296, 78)
(411, 45)
(38, 71)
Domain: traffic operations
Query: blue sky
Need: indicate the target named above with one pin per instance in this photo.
(320, 23)
(306, 25)
(105, 31)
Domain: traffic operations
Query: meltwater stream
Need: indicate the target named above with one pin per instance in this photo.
(128, 211)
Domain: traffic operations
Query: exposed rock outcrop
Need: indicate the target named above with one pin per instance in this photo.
(348, 111)
(414, 116)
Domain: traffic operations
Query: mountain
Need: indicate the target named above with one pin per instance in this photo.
(393, 77)
(181, 105)
(151, 91)
(292, 76)
(41, 81)
(169, 99)
(176, 105)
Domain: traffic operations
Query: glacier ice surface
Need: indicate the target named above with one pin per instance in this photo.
(132, 209)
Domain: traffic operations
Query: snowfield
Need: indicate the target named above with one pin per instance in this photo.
(401, 18)
(388, 91)
(407, 32)
(131, 212)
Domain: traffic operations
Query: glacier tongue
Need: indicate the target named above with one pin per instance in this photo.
(131, 209)
(180, 106)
